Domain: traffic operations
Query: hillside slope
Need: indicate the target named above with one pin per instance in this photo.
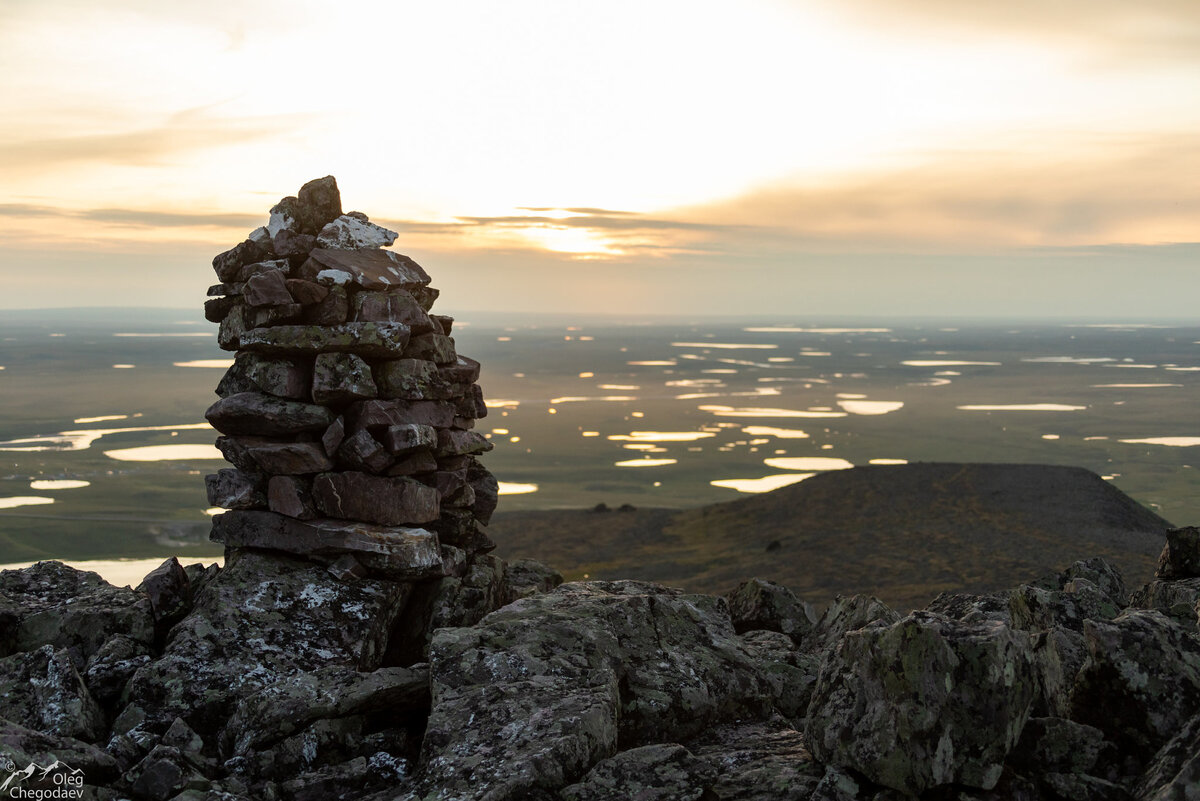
(901, 532)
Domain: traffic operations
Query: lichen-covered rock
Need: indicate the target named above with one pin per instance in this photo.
(362, 452)
(25, 746)
(42, 688)
(843, 615)
(1180, 557)
(761, 604)
(1177, 598)
(1057, 745)
(395, 306)
(540, 690)
(1134, 664)
(163, 773)
(970, 608)
(259, 414)
(901, 704)
(758, 761)
(1036, 609)
(170, 592)
(375, 340)
(341, 378)
(52, 604)
(660, 772)
(285, 708)
(790, 673)
(110, 669)
(263, 618)
(367, 269)
(351, 233)
(1174, 772)
(525, 577)
(1057, 656)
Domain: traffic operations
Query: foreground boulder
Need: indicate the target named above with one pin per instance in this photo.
(902, 704)
(541, 690)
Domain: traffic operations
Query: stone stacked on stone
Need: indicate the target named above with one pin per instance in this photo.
(347, 413)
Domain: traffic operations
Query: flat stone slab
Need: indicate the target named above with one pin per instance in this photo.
(256, 413)
(399, 553)
(369, 269)
(378, 340)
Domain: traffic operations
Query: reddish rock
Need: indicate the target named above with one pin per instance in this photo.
(415, 464)
(268, 289)
(331, 440)
(377, 414)
(291, 496)
(333, 309)
(289, 458)
(369, 269)
(261, 267)
(396, 306)
(460, 443)
(229, 488)
(463, 371)
(360, 451)
(307, 293)
(424, 295)
(434, 347)
(341, 378)
(375, 499)
(293, 245)
(471, 404)
(322, 202)
(408, 437)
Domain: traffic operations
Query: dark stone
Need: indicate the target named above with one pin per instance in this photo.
(526, 577)
(464, 371)
(341, 378)
(432, 347)
(424, 295)
(263, 316)
(487, 492)
(263, 618)
(376, 340)
(761, 604)
(229, 488)
(471, 405)
(543, 689)
(52, 604)
(307, 293)
(402, 554)
(284, 378)
(902, 704)
(24, 746)
(268, 289)
(844, 615)
(414, 464)
(333, 309)
(376, 415)
(452, 442)
(322, 201)
(110, 669)
(1174, 773)
(291, 496)
(331, 440)
(660, 772)
(406, 438)
(293, 245)
(444, 322)
(170, 592)
(228, 264)
(44, 689)
(259, 414)
(368, 269)
(288, 458)
(413, 379)
(229, 335)
(216, 309)
(1180, 558)
(361, 451)
(375, 499)
(259, 268)
(396, 306)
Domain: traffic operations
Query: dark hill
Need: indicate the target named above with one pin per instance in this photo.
(901, 532)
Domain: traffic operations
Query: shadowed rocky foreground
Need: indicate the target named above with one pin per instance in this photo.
(273, 679)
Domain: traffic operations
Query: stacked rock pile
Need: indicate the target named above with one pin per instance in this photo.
(347, 413)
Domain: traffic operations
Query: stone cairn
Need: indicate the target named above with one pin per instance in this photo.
(347, 413)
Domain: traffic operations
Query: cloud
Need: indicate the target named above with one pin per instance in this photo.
(1147, 30)
(185, 132)
(135, 217)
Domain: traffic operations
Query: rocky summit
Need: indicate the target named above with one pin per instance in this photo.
(361, 641)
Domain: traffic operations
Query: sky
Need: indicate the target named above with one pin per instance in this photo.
(790, 158)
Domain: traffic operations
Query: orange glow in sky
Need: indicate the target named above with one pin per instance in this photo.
(790, 142)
